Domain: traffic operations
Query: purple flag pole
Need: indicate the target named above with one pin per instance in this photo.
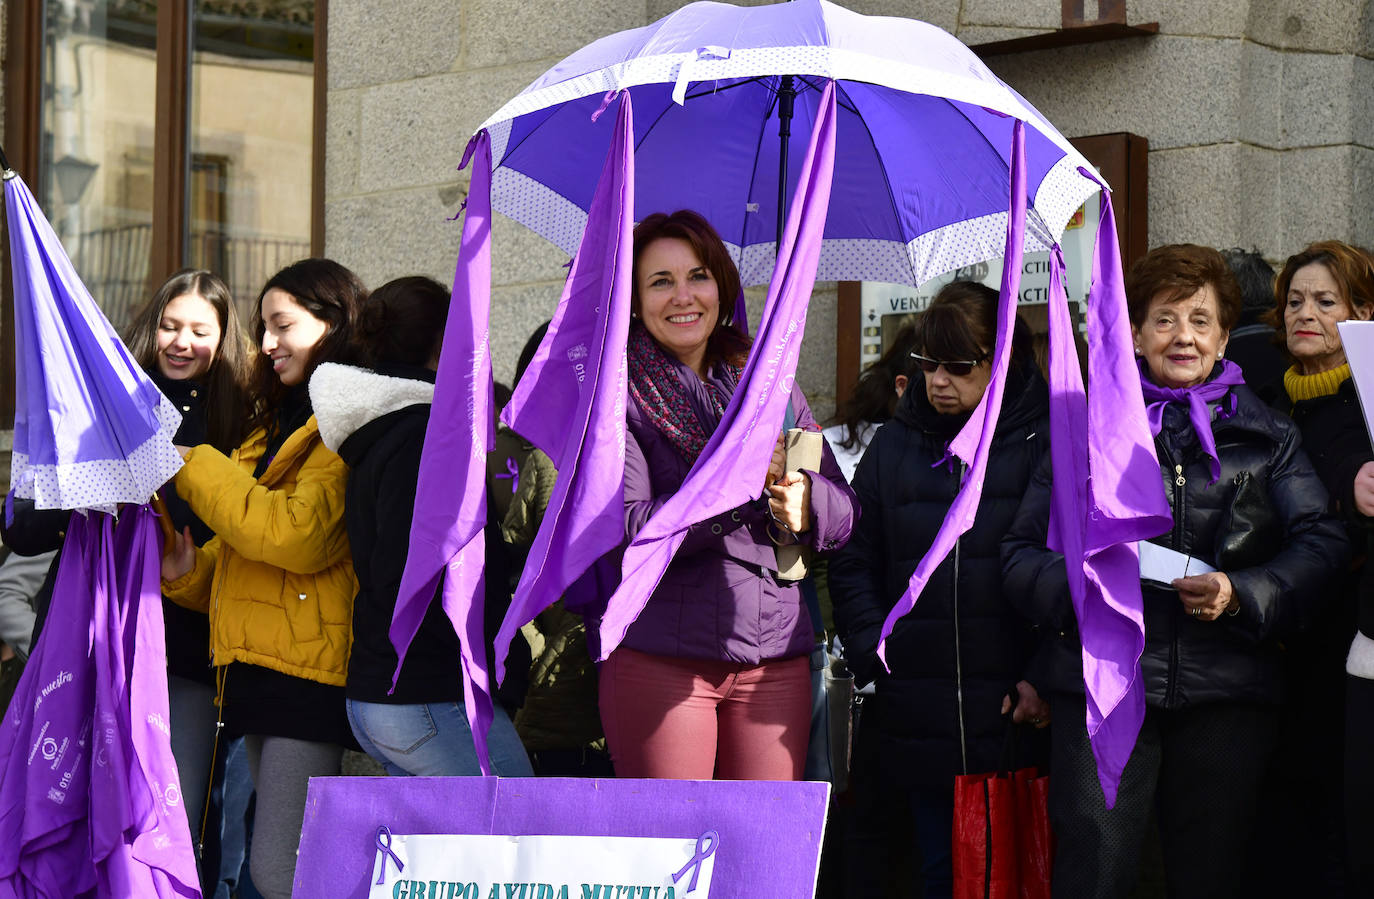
(447, 540)
(582, 369)
(731, 468)
(973, 441)
(1106, 496)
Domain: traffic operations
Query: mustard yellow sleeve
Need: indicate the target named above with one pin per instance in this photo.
(300, 529)
(192, 589)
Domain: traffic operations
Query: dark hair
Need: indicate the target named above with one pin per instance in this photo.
(226, 381)
(330, 293)
(1178, 271)
(726, 342)
(874, 396)
(1255, 278)
(527, 352)
(402, 322)
(1351, 267)
(961, 324)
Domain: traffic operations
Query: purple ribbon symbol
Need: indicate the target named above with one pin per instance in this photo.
(706, 847)
(513, 474)
(384, 831)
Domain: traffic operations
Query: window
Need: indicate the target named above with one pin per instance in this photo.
(160, 134)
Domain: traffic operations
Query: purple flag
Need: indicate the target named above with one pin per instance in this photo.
(447, 540)
(973, 441)
(1106, 496)
(581, 365)
(90, 799)
(732, 466)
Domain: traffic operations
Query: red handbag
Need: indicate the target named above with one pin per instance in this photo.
(1002, 844)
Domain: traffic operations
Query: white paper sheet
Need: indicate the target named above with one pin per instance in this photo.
(1358, 339)
(1163, 565)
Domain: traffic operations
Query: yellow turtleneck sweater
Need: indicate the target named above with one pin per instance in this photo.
(1308, 387)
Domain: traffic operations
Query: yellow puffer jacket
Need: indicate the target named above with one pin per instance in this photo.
(277, 579)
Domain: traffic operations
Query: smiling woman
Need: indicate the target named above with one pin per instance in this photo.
(712, 679)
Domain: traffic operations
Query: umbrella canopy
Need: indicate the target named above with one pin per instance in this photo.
(923, 144)
(91, 430)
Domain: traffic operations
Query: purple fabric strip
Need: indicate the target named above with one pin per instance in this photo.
(447, 537)
(1196, 399)
(581, 366)
(1106, 496)
(731, 468)
(973, 441)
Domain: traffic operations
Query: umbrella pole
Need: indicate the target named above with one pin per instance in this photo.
(9, 172)
(787, 95)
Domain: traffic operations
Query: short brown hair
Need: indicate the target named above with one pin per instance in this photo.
(1181, 270)
(726, 341)
(1351, 267)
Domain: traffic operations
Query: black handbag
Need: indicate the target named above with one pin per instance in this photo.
(1250, 533)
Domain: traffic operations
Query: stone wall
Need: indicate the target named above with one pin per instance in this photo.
(1258, 116)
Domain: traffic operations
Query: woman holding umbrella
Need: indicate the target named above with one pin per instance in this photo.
(955, 658)
(713, 677)
(277, 578)
(1248, 508)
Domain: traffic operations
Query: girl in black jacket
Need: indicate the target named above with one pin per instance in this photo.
(1211, 660)
(376, 421)
(957, 655)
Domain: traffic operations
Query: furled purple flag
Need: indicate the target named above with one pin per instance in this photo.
(972, 443)
(730, 468)
(1106, 496)
(447, 540)
(580, 365)
(91, 430)
(89, 800)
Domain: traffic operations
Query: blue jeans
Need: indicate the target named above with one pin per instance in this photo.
(433, 739)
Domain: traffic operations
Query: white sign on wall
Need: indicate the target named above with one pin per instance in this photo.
(878, 299)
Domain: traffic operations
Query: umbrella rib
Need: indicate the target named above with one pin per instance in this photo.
(767, 117)
(849, 106)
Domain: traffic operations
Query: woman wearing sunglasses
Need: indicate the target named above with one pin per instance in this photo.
(958, 659)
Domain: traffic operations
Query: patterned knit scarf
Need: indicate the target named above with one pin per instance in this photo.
(657, 387)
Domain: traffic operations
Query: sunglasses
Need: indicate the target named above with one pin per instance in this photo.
(957, 369)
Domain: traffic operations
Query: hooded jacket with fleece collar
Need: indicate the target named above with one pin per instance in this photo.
(376, 420)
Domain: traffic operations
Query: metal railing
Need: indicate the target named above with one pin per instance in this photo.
(113, 263)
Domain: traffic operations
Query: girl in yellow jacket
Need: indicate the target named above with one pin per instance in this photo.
(277, 579)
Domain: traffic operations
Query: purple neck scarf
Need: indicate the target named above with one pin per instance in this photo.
(447, 536)
(1198, 399)
(729, 469)
(571, 401)
(657, 388)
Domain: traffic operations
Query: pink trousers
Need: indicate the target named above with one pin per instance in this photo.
(691, 719)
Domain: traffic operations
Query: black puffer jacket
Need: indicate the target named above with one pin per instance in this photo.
(959, 651)
(1188, 661)
(377, 421)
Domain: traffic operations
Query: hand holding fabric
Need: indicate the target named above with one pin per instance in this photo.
(1029, 706)
(790, 501)
(1206, 596)
(1364, 489)
(179, 556)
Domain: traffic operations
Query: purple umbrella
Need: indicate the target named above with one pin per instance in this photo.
(91, 430)
(89, 800)
(936, 165)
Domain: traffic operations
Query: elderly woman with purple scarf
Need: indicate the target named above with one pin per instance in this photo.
(713, 678)
(1250, 519)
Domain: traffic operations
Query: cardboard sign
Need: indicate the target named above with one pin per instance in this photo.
(468, 866)
(543, 838)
